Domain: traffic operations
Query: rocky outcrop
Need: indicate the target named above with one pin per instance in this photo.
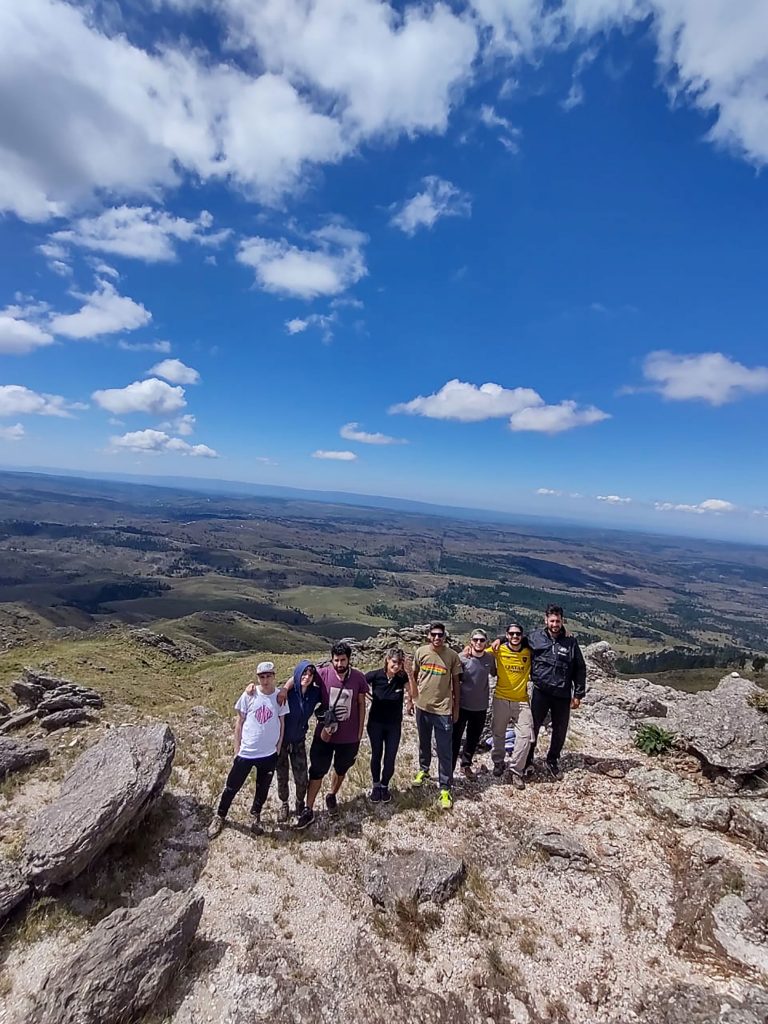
(120, 968)
(17, 720)
(27, 694)
(600, 659)
(561, 848)
(419, 876)
(13, 888)
(722, 726)
(5, 709)
(684, 1003)
(372, 650)
(679, 801)
(104, 796)
(68, 697)
(60, 719)
(17, 754)
(164, 644)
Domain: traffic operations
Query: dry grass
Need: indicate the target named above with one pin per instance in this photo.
(47, 916)
(412, 922)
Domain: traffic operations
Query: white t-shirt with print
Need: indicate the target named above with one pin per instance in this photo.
(261, 728)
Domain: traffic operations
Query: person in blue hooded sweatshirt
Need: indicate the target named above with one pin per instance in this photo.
(303, 695)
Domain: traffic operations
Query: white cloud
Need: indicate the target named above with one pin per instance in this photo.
(14, 433)
(554, 419)
(714, 505)
(469, 403)
(104, 312)
(438, 199)
(336, 456)
(549, 491)
(151, 396)
(325, 322)
(137, 232)
(159, 441)
(145, 346)
(710, 376)
(296, 326)
(613, 499)
(17, 400)
(185, 425)
(335, 264)
(265, 461)
(18, 335)
(176, 372)
(508, 135)
(352, 432)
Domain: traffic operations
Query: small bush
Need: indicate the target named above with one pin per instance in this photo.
(759, 699)
(653, 740)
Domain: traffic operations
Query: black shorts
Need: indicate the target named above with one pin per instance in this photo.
(322, 755)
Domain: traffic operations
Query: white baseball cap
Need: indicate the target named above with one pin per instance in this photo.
(265, 666)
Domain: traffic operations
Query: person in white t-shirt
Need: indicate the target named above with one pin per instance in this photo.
(259, 730)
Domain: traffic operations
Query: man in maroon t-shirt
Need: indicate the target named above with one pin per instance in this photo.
(339, 730)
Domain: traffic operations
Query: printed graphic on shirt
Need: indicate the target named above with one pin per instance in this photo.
(263, 714)
(341, 702)
(434, 666)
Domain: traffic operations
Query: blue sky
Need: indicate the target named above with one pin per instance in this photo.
(500, 254)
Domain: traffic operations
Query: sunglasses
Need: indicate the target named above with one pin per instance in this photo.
(437, 634)
(479, 639)
(513, 633)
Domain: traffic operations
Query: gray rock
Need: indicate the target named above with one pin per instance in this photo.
(750, 821)
(679, 801)
(17, 720)
(28, 694)
(104, 796)
(69, 697)
(39, 678)
(722, 726)
(601, 663)
(60, 719)
(419, 876)
(17, 754)
(13, 888)
(5, 709)
(683, 1003)
(557, 844)
(121, 967)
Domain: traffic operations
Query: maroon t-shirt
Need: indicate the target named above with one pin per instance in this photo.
(341, 695)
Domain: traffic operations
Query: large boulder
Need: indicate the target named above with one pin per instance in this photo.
(17, 720)
(723, 727)
(60, 719)
(104, 796)
(419, 877)
(69, 697)
(601, 663)
(28, 694)
(679, 801)
(120, 968)
(17, 754)
(13, 888)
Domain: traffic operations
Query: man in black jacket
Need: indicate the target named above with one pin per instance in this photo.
(559, 677)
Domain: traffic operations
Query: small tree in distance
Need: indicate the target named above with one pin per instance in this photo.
(758, 663)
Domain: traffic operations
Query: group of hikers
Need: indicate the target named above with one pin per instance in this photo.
(539, 676)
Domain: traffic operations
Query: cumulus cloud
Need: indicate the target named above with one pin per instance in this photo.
(613, 499)
(17, 400)
(550, 492)
(18, 335)
(151, 396)
(335, 262)
(437, 199)
(144, 346)
(352, 432)
(709, 376)
(14, 433)
(714, 505)
(176, 372)
(137, 232)
(525, 407)
(159, 441)
(335, 456)
(105, 311)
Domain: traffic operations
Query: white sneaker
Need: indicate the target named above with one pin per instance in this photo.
(217, 824)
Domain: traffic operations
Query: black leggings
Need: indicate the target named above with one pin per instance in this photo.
(560, 709)
(474, 723)
(385, 740)
(239, 772)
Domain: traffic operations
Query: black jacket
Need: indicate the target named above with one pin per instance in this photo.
(557, 666)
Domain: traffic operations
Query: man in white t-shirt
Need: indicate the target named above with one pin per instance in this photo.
(259, 730)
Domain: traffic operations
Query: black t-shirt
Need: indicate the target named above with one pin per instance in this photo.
(386, 693)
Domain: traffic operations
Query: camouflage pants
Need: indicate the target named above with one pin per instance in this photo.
(296, 753)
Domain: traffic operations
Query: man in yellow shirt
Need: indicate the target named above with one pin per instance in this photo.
(510, 704)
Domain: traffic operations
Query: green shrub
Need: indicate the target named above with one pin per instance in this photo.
(652, 739)
(759, 699)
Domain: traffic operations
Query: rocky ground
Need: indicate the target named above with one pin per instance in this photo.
(635, 890)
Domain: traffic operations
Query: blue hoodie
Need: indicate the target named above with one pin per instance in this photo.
(301, 705)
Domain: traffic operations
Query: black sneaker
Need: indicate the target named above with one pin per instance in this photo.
(256, 826)
(331, 802)
(498, 771)
(375, 795)
(305, 819)
(386, 796)
(555, 772)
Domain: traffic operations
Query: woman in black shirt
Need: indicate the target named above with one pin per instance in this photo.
(388, 684)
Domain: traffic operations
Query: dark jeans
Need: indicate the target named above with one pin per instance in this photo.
(474, 723)
(428, 723)
(296, 753)
(559, 708)
(384, 735)
(239, 772)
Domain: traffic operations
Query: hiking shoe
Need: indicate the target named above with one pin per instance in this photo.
(518, 782)
(385, 796)
(284, 813)
(467, 772)
(331, 802)
(421, 776)
(217, 824)
(375, 794)
(306, 818)
(256, 826)
(529, 770)
(498, 771)
(555, 772)
(445, 800)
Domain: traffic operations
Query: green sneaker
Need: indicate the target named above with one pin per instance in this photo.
(421, 776)
(445, 800)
